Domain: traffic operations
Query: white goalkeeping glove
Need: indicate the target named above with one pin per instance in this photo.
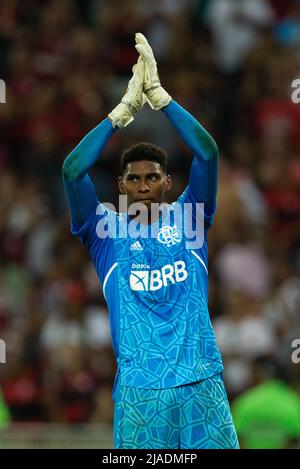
(133, 99)
(157, 97)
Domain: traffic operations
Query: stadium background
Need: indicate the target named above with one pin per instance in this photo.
(66, 64)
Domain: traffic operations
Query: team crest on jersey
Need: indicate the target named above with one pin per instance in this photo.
(168, 235)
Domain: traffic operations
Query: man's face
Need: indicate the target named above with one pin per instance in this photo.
(144, 181)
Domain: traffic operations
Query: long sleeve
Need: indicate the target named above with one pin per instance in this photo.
(203, 180)
(81, 194)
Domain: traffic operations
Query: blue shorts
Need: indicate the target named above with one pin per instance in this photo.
(196, 415)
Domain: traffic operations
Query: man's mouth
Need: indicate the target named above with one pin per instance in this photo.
(145, 200)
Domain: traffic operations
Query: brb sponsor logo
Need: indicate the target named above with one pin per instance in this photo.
(151, 280)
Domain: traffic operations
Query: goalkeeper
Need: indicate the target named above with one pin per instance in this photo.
(169, 390)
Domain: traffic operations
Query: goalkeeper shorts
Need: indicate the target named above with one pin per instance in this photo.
(195, 415)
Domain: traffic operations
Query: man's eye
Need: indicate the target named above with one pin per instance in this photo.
(152, 178)
(132, 179)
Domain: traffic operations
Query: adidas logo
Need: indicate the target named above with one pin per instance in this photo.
(136, 246)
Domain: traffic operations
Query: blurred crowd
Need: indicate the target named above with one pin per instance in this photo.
(66, 63)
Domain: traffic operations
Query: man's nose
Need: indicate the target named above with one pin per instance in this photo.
(143, 187)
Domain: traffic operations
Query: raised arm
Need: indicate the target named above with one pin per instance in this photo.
(81, 194)
(204, 170)
(203, 179)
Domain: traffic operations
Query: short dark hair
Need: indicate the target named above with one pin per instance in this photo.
(144, 151)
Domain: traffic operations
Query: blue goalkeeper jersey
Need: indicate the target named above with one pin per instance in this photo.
(156, 289)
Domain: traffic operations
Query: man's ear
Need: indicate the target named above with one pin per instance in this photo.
(168, 182)
(121, 185)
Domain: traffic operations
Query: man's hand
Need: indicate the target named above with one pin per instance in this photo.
(157, 97)
(133, 99)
